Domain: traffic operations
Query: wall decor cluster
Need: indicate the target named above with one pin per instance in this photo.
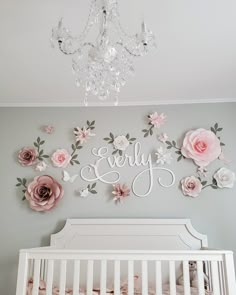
(200, 146)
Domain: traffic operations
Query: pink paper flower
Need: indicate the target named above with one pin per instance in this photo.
(28, 156)
(120, 192)
(157, 119)
(202, 146)
(49, 129)
(43, 193)
(163, 137)
(191, 186)
(83, 134)
(61, 158)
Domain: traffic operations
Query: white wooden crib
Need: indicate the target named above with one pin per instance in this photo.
(125, 256)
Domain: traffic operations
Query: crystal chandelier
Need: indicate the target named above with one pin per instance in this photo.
(102, 67)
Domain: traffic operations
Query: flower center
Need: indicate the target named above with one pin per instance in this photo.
(200, 146)
(44, 193)
(61, 158)
(191, 185)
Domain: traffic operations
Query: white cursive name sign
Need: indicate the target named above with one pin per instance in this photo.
(92, 172)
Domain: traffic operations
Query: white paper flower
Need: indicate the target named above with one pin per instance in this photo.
(84, 193)
(225, 178)
(163, 156)
(121, 143)
(163, 137)
(41, 166)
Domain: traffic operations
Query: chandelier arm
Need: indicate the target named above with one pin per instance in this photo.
(76, 50)
(128, 50)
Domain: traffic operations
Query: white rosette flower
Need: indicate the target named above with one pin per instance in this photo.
(121, 143)
(224, 178)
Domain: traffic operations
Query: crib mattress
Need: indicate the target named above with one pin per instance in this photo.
(68, 291)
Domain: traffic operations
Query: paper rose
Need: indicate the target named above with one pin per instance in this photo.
(225, 178)
(28, 156)
(83, 134)
(120, 192)
(61, 158)
(43, 193)
(202, 146)
(121, 143)
(191, 186)
(157, 119)
(42, 166)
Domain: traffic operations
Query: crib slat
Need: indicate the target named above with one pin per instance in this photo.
(36, 278)
(90, 277)
(215, 278)
(117, 277)
(172, 278)
(130, 277)
(186, 278)
(144, 278)
(103, 278)
(158, 278)
(76, 279)
(200, 278)
(62, 277)
(49, 277)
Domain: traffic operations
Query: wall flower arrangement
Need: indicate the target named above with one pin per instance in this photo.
(203, 147)
(120, 143)
(43, 193)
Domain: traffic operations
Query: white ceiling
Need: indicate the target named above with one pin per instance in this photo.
(195, 60)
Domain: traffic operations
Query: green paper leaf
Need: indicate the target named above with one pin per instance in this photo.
(120, 152)
(146, 134)
(36, 145)
(19, 179)
(76, 162)
(132, 139)
(71, 162)
(18, 184)
(41, 153)
(113, 153)
(93, 192)
(179, 158)
(92, 128)
(73, 147)
(93, 185)
(42, 142)
(204, 183)
(213, 130)
(45, 156)
(173, 143)
(88, 123)
(77, 143)
(106, 138)
(219, 129)
(214, 187)
(169, 147)
(24, 181)
(79, 147)
(24, 198)
(74, 157)
(222, 144)
(93, 122)
(168, 143)
(144, 130)
(38, 140)
(111, 136)
(127, 135)
(75, 129)
(216, 126)
(151, 132)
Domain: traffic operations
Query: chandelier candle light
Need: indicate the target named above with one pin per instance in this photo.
(102, 67)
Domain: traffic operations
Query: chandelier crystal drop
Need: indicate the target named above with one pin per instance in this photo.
(102, 67)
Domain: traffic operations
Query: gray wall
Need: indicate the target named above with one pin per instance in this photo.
(213, 212)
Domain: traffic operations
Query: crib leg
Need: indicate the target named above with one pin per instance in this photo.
(22, 274)
(230, 274)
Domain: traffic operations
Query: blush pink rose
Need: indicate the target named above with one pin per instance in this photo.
(28, 156)
(191, 186)
(202, 146)
(61, 158)
(43, 193)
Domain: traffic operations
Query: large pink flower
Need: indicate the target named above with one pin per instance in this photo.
(120, 192)
(61, 158)
(28, 156)
(191, 186)
(202, 146)
(157, 119)
(43, 193)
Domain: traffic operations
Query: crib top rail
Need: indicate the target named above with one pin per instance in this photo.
(176, 255)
